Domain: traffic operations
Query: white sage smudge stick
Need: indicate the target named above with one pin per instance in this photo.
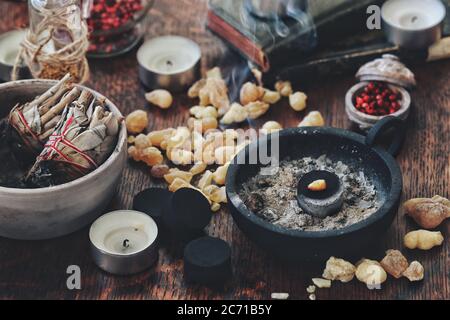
(31, 120)
(82, 141)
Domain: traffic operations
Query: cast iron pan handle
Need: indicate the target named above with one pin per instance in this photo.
(381, 127)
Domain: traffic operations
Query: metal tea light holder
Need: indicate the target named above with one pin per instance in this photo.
(413, 24)
(169, 62)
(124, 242)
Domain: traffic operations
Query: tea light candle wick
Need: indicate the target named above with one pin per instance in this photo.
(413, 20)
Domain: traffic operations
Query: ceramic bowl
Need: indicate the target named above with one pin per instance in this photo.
(32, 214)
(366, 121)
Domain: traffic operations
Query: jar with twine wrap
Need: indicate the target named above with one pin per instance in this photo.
(56, 42)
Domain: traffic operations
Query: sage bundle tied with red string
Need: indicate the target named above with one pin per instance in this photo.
(82, 140)
(30, 124)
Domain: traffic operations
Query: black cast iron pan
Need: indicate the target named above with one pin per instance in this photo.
(353, 149)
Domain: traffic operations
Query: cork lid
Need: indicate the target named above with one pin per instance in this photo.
(389, 69)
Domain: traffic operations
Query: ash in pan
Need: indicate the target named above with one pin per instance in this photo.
(273, 197)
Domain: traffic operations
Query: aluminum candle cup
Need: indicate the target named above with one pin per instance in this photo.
(413, 24)
(169, 62)
(124, 242)
(10, 46)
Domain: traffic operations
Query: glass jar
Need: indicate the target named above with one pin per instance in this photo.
(57, 41)
(39, 9)
(116, 26)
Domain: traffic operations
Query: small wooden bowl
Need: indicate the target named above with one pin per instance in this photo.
(366, 121)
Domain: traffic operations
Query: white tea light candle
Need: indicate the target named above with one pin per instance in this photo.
(9, 49)
(413, 23)
(169, 62)
(124, 242)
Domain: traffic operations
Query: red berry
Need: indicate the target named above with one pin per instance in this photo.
(359, 101)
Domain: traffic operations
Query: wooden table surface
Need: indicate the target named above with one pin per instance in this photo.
(38, 269)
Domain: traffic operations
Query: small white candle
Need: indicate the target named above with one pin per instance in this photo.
(10, 46)
(169, 62)
(169, 55)
(123, 232)
(413, 14)
(123, 241)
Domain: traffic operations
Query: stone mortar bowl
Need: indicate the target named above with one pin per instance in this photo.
(35, 214)
(366, 121)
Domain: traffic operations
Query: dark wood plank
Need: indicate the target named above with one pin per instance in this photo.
(38, 269)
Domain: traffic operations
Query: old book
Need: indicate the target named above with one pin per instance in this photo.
(261, 41)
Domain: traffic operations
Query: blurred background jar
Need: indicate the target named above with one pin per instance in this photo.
(116, 26)
(57, 40)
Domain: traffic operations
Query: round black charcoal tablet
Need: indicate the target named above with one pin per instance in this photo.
(152, 201)
(176, 229)
(207, 261)
(191, 209)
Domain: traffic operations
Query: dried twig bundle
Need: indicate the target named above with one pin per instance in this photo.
(83, 139)
(33, 122)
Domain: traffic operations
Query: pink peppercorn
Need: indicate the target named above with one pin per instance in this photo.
(378, 99)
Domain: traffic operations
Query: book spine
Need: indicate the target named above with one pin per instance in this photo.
(241, 43)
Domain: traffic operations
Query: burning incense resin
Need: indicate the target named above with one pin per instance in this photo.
(273, 197)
